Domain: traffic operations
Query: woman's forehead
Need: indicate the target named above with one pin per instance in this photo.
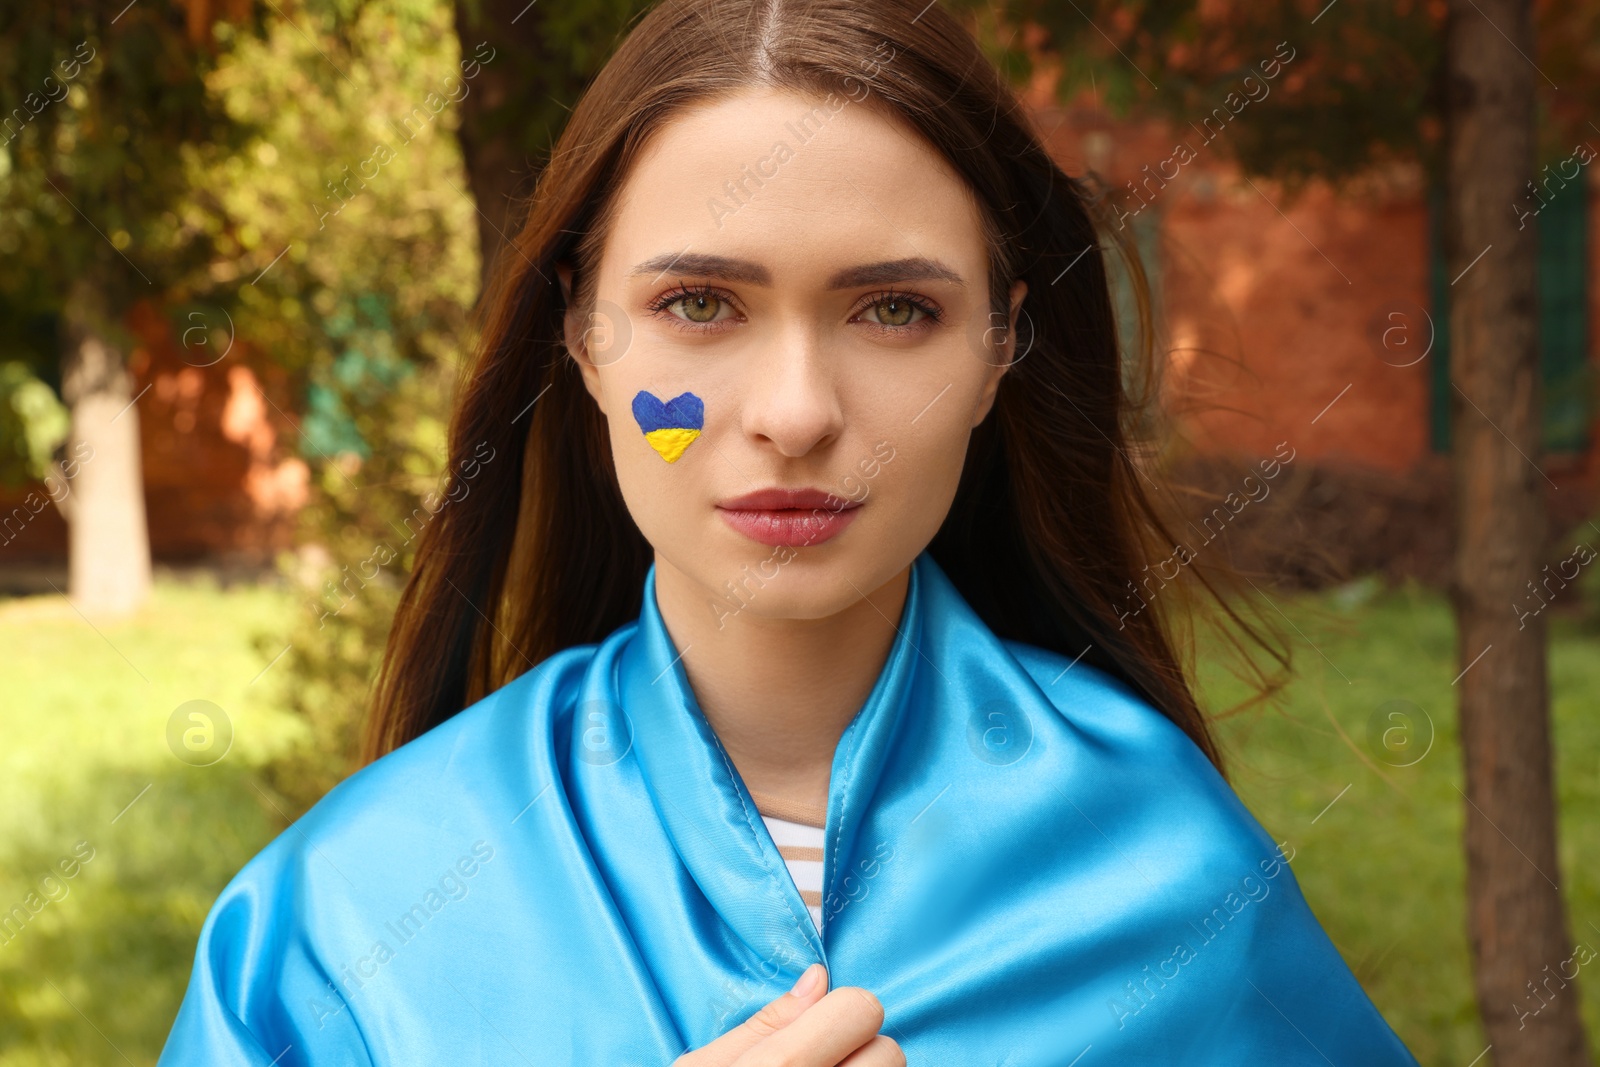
(773, 177)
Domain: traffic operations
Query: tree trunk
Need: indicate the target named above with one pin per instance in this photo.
(108, 562)
(497, 111)
(535, 60)
(1516, 920)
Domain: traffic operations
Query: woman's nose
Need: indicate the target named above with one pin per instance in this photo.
(792, 400)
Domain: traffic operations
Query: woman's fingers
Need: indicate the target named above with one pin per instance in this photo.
(881, 1051)
(772, 1018)
(826, 1033)
(806, 1027)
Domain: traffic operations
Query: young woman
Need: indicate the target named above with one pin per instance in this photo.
(789, 622)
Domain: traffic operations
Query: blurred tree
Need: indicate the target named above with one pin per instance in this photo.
(1335, 90)
(368, 307)
(1517, 919)
(101, 104)
(346, 254)
(383, 144)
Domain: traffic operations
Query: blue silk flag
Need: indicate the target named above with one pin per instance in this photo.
(1027, 864)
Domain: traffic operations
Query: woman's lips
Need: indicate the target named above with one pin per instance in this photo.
(795, 517)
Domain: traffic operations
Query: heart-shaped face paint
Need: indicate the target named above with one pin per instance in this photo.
(670, 427)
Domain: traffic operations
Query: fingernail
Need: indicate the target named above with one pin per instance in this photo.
(808, 981)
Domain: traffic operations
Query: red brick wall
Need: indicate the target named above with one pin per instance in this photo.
(220, 478)
(1275, 306)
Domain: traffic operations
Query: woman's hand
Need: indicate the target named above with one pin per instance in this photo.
(806, 1027)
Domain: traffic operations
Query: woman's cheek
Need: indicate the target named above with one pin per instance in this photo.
(661, 497)
(932, 464)
(628, 452)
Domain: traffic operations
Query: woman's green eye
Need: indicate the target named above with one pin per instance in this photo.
(700, 307)
(894, 312)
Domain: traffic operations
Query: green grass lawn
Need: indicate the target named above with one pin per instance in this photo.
(1383, 865)
(97, 975)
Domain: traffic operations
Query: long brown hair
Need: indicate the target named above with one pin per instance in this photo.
(1051, 532)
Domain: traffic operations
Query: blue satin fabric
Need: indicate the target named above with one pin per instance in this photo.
(1025, 862)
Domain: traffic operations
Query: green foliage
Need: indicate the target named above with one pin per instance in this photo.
(1354, 90)
(32, 423)
(348, 263)
(102, 106)
(1362, 90)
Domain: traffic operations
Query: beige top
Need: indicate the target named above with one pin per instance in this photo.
(798, 831)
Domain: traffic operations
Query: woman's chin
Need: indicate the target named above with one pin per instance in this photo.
(799, 584)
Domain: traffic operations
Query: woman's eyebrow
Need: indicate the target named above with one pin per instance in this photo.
(728, 268)
(704, 265)
(914, 269)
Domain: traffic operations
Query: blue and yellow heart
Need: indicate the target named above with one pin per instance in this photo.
(670, 427)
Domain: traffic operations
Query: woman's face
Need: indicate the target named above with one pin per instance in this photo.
(805, 283)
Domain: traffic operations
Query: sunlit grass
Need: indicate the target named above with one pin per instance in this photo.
(86, 767)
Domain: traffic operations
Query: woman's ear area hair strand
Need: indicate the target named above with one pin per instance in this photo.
(576, 332)
(1008, 349)
(564, 275)
(1019, 293)
(1008, 339)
